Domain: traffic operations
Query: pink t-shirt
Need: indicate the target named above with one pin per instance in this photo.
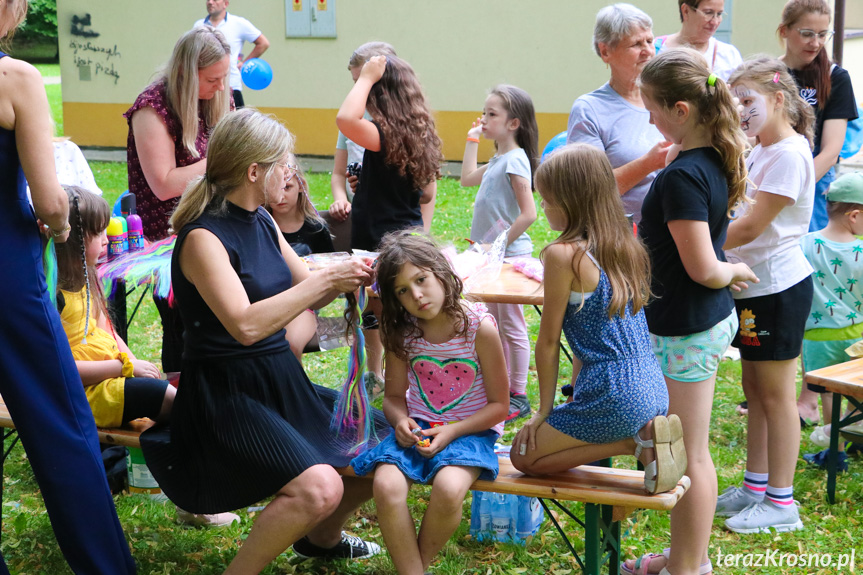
(445, 379)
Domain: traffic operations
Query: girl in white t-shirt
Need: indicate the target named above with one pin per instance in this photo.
(773, 312)
(445, 397)
(505, 195)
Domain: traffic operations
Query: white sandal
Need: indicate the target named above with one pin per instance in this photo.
(669, 462)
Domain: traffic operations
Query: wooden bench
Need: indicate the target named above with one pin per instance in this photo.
(609, 495)
(843, 380)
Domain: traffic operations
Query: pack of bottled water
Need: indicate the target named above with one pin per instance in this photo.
(500, 517)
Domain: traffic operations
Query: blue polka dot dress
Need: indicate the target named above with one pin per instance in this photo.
(620, 386)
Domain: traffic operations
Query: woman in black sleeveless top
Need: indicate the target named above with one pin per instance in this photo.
(247, 423)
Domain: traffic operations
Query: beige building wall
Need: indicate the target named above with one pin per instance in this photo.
(459, 49)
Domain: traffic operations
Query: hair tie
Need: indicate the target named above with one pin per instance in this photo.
(776, 78)
(711, 80)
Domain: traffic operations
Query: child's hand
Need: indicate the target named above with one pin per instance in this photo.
(404, 432)
(374, 69)
(340, 210)
(440, 436)
(525, 439)
(742, 274)
(476, 129)
(146, 369)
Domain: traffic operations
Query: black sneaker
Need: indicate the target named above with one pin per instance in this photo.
(349, 547)
(519, 406)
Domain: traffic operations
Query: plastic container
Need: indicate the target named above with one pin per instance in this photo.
(116, 237)
(499, 517)
(125, 233)
(136, 233)
(140, 479)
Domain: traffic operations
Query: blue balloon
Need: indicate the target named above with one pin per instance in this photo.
(553, 144)
(257, 74)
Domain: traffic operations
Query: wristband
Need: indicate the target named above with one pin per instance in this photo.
(128, 367)
(475, 140)
(57, 233)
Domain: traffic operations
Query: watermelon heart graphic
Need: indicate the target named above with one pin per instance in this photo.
(443, 384)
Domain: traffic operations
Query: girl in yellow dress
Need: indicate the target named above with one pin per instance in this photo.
(119, 386)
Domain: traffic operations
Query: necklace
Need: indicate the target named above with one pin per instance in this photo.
(778, 139)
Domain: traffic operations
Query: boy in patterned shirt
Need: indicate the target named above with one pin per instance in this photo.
(836, 319)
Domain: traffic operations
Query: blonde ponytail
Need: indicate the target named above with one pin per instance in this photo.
(240, 139)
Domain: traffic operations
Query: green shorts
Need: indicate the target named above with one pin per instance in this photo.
(694, 357)
(818, 354)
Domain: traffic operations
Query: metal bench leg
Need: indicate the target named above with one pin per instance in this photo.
(833, 454)
(601, 536)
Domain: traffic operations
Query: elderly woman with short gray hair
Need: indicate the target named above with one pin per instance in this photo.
(613, 117)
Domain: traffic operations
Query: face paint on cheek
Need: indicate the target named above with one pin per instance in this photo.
(754, 114)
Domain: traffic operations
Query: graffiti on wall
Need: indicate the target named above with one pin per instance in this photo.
(94, 60)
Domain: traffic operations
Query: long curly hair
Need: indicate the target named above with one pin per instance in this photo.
(579, 181)
(398, 105)
(682, 75)
(397, 326)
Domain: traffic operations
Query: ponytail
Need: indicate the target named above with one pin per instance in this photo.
(682, 75)
(193, 202)
(240, 139)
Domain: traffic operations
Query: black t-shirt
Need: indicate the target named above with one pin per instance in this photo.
(840, 105)
(384, 202)
(692, 187)
(312, 238)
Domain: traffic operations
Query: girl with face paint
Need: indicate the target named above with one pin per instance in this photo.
(772, 313)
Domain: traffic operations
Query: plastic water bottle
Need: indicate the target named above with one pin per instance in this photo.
(501, 516)
(484, 512)
(136, 233)
(529, 518)
(116, 237)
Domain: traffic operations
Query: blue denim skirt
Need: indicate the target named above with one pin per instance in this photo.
(475, 450)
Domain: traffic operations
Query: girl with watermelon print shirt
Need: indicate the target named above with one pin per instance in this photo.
(447, 394)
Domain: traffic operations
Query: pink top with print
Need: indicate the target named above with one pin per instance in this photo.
(154, 212)
(445, 379)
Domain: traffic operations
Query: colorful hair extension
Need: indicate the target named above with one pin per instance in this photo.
(49, 262)
(352, 411)
(153, 265)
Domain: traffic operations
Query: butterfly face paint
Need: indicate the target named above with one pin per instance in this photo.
(754, 114)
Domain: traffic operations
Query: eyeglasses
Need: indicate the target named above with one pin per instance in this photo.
(808, 34)
(710, 14)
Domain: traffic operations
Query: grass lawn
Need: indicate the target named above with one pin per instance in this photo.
(161, 546)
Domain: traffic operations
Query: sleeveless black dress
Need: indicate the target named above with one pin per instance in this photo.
(246, 419)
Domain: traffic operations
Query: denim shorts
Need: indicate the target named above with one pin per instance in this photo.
(474, 450)
(694, 357)
(818, 354)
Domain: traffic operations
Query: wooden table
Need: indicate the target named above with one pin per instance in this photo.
(844, 380)
(510, 287)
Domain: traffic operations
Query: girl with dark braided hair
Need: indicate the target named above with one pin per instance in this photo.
(119, 386)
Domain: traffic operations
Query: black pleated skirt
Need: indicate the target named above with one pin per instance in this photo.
(243, 428)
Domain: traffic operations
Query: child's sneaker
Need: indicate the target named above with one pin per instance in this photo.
(733, 500)
(519, 406)
(820, 459)
(764, 516)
